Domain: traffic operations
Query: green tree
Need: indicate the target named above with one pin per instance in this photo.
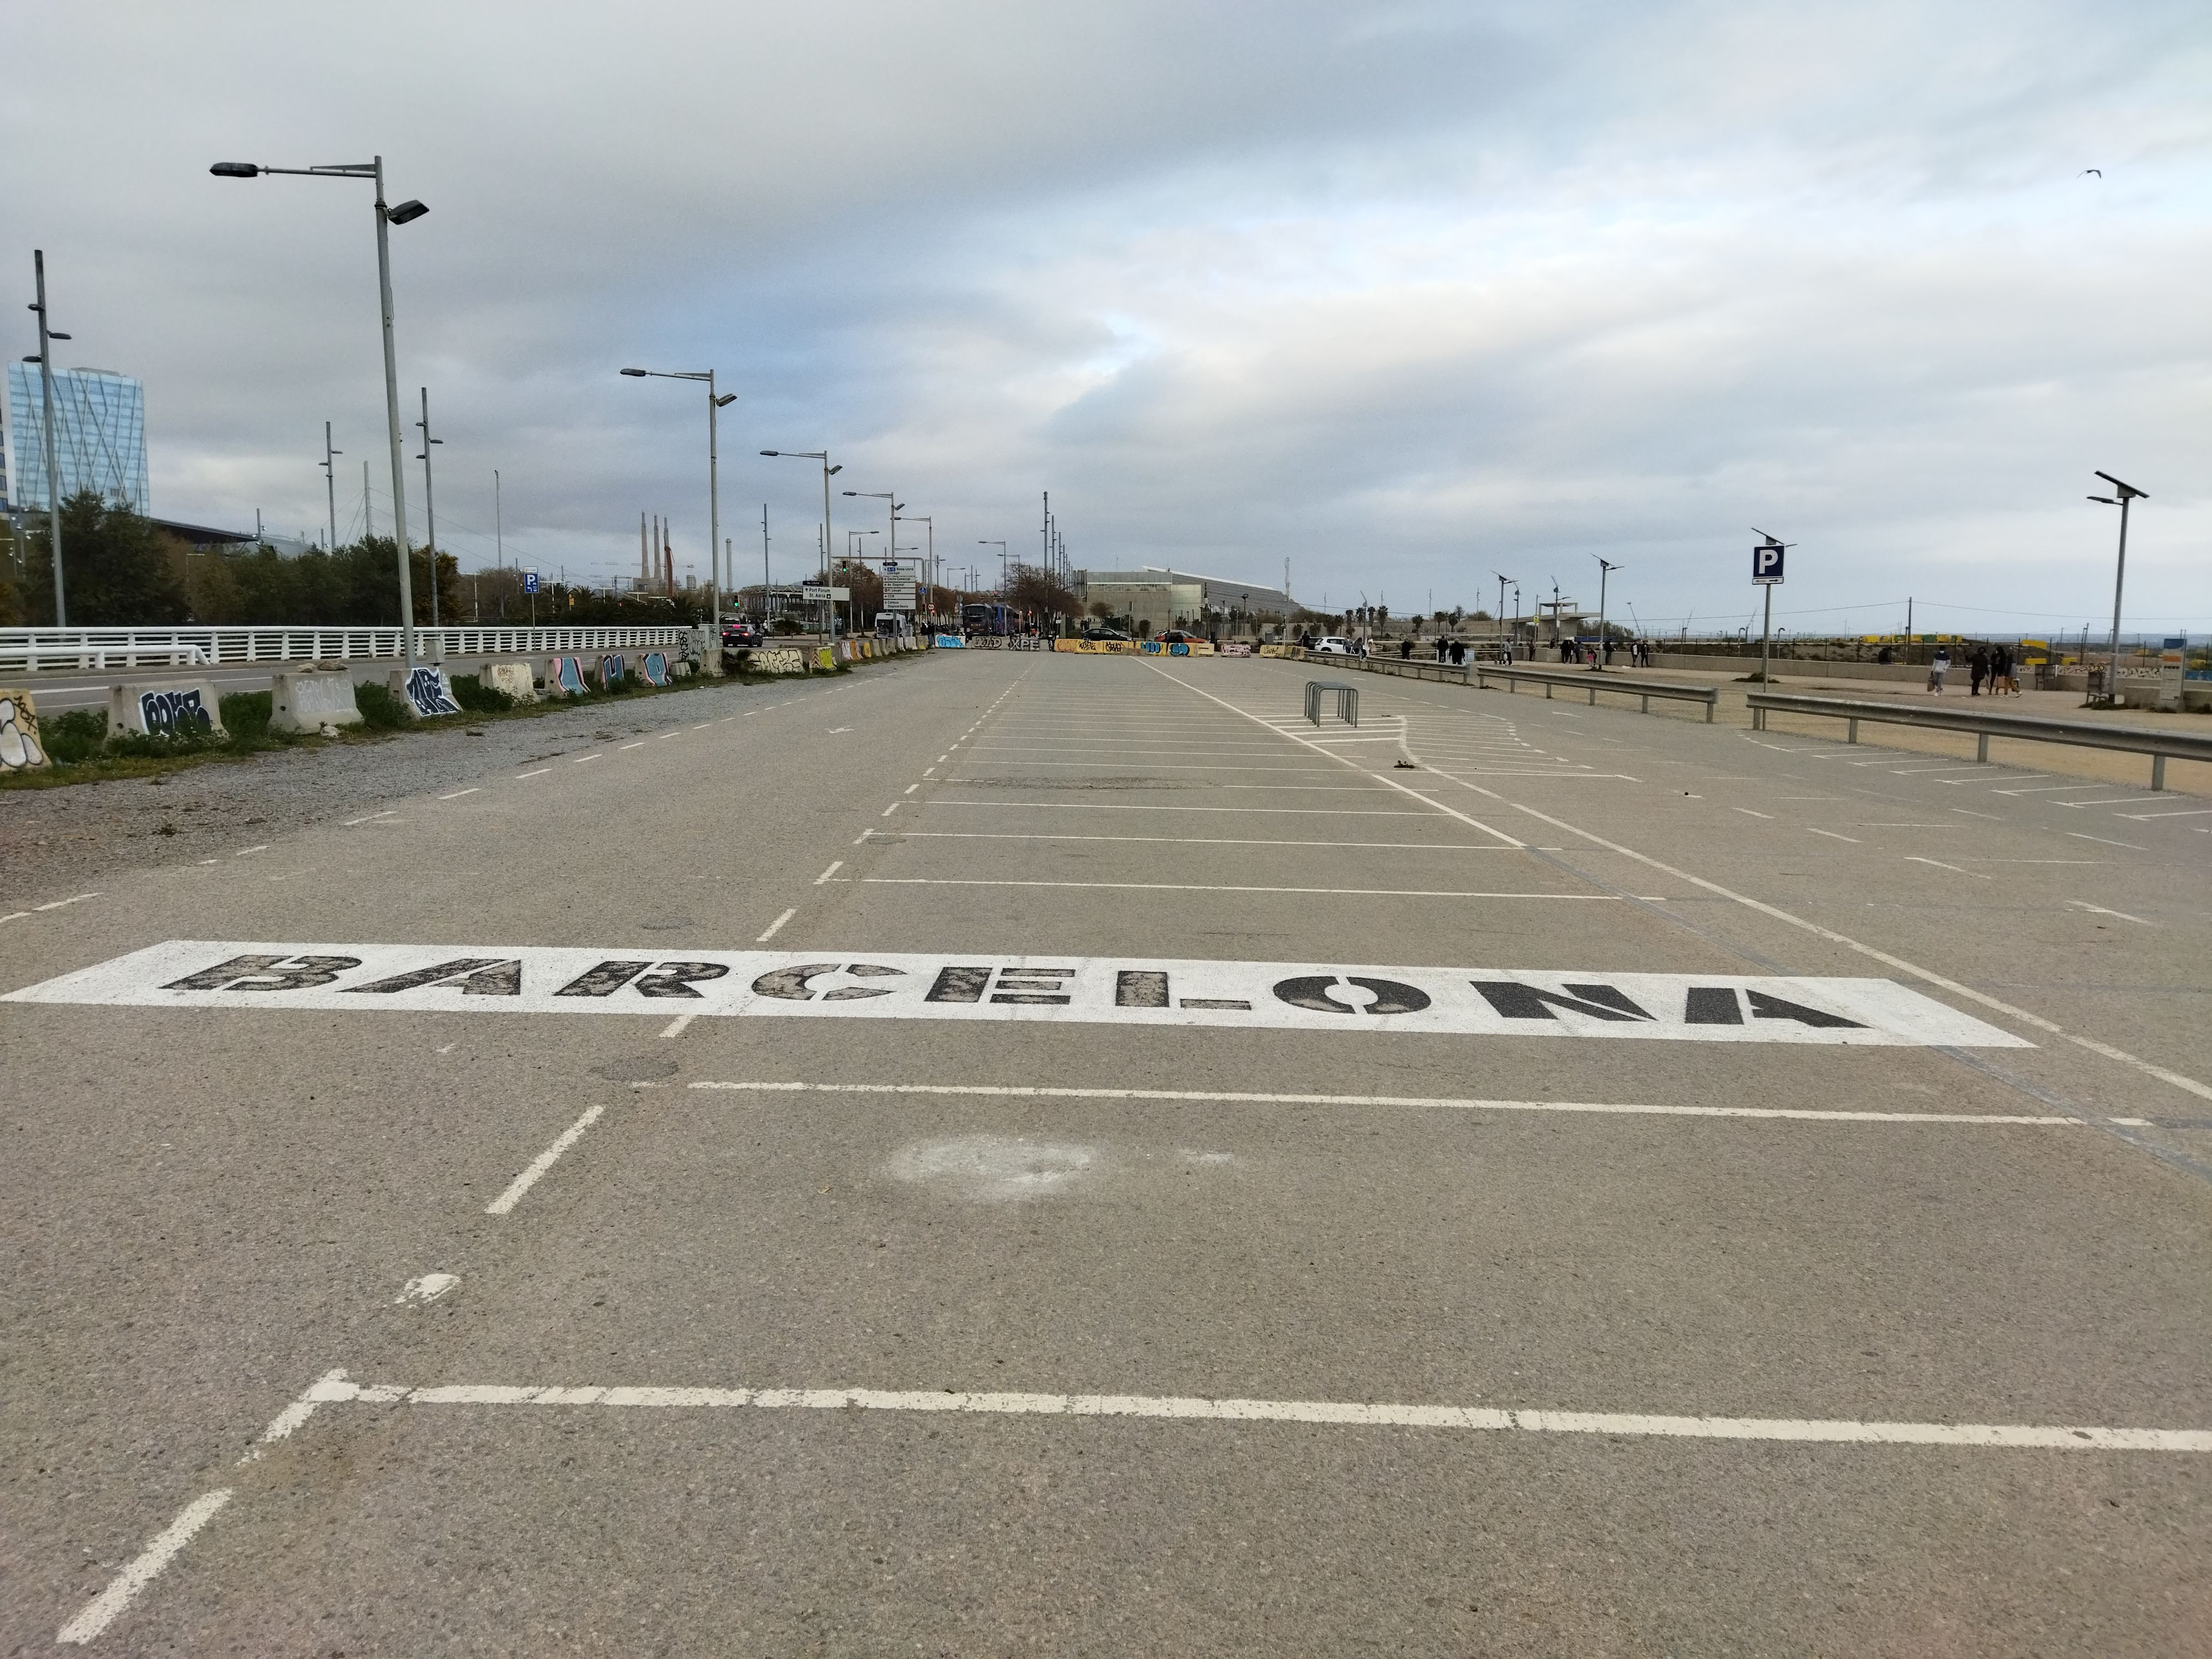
(119, 570)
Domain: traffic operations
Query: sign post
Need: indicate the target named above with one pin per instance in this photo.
(530, 586)
(1766, 572)
(2172, 664)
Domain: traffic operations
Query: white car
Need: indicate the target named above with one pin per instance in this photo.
(1332, 646)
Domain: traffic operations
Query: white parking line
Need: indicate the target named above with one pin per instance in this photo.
(1914, 858)
(458, 793)
(545, 1160)
(2099, 910)
(2145, 817)
(836, 865)
(58, 904)
(777, 924)
(1832, 836)
(539, 773)
(1344, 1413)
(1248, 1097)
(103, 1609)
(1202, 887)
(1749, 813)
(1197, 840)
(2107, 840)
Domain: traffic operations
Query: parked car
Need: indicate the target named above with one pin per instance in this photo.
(1103, 633)
(1331, 645)
(741, 636)
(1177, 636)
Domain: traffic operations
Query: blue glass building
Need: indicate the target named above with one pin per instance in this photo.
(101, 421)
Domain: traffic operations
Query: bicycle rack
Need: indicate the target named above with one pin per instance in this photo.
(1347, 701)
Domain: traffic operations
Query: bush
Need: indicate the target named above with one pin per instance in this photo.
(380, 709)
(474, 696)
(75, 736)
(246, 716)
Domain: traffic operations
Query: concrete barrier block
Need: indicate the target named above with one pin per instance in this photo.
(564, 676)
(511, 675)
(307, 700)
(652, 667)
(162, 711)
(614, 668)
(20, 746)
(775, 659)
(425, 694)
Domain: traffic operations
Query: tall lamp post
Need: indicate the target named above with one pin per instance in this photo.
(406, 213)
(1503, 580)
(714, 483)
(1604, 568)
(2121, 496)
(49, 442)
(827, 472)
(430, 507)
(331, 479)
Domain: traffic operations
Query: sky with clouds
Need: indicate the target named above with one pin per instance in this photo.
(1404, 295)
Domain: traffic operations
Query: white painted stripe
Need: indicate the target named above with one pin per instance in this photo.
(1915, 858)
(458, 793)
(836, 865)
(1252, 1097)
(369, 818)
(1203, 887)
(56, 904)
(775, 926)
(2107, 840)
(1832, 836)
(2099, 910)
(545, 1160)
(2113, 800)
(1107, 806)
(106, 1608)
(539, 773)
(1197, 840)
(826, 983)
(2145, 817)
(581, 759)
(1334, 1412)
(1749, 813)
(245, 852)
(675, 1027)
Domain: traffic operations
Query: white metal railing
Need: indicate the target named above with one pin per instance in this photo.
(100, 650)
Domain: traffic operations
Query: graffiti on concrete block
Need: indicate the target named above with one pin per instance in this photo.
(612, 668)
(653, 667)
(19, 748)
(566, 674)
(429, 693)
(168, 713)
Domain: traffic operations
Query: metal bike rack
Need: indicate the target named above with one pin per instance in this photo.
(1347, 701)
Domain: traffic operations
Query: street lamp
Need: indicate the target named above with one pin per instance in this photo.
(714, 486)
(45, 360)
(828, 471)
(1604, 568)
(406, 213)
(2122, 494)
(429, 509)
(1503, 580)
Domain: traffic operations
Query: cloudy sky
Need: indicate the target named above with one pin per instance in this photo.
(1405, 294)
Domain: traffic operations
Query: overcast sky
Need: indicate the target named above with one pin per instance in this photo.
(1404, 295)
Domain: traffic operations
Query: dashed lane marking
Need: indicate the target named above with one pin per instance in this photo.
(505, 1203)
(774, 927)
(1209, 887)
(1198, 841)
(1832, 836)
(104, 1608)
(539, 773)
(56, 904)
(458, 793)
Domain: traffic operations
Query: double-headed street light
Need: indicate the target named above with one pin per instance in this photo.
(827, 472)
(406, 213)
(2121, 496)
(49, 438)
(714, 485)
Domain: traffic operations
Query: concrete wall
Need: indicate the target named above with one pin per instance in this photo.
(160, 710)
(307, 700)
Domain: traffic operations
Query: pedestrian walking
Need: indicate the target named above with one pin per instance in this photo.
(1938, 668)
(1978, 670)
(2001, 679)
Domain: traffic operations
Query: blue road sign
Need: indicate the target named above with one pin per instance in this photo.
(530, 581)
(1766, 564)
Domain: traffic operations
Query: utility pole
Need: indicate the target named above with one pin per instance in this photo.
(498, 524)
(764, 576)
(49, 437)
(367, 520)
(331, 478)
(1604, 568)
(429, 507)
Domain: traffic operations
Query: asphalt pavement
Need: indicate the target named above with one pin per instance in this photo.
(1032, 1154)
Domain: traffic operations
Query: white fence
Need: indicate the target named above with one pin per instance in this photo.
(100, 650)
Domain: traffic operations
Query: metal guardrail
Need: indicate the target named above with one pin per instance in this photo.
(1478, 675)
(1347, 701)
(2160, 746)
(98, 650)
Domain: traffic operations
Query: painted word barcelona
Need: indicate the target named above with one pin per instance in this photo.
(822, 985)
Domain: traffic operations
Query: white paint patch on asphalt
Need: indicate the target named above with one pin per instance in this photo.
(56, 904)
(1339, 1413)
(992, 1169)
(2099, 910)
(774, 927)
(675, 1027)
(458, 793)
(427, 1289)
(123, 1589)
(1251, 1098)
(1136, 990)
(545, 1160)
(836, 865)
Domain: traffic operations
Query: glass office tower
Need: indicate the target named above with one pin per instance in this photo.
(102, 418)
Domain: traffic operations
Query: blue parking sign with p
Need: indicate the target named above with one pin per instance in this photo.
(530, 581)
(1766, 563)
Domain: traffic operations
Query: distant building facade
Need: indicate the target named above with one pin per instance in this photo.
(1174, 598)
(101, 436)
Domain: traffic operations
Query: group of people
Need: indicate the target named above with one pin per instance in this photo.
(1990, 665)
(1455, 652)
